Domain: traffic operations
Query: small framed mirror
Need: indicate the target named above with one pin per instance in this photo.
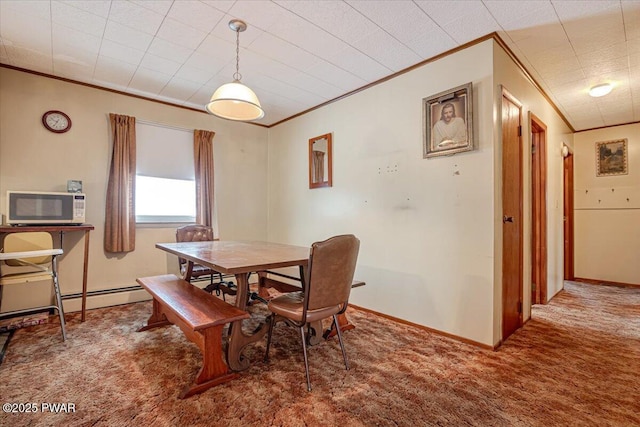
(320, 161)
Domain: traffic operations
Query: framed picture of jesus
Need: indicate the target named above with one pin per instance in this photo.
(448, 122)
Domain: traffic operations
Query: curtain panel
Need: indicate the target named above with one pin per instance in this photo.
(203, 157)
(120, 217)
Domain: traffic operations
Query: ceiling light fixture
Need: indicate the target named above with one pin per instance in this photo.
(600, 90)
(235, 101)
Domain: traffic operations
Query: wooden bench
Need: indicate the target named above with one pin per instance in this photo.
(201, 316)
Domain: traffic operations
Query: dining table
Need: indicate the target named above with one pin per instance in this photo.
(240, 258)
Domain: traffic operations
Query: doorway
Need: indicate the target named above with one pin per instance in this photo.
(568, 214)
(512, 201)
(538, 210)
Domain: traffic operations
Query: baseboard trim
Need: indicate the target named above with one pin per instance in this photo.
(426, 328)
(111, 297)
(604, 282)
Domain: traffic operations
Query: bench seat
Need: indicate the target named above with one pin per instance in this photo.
(201, 316)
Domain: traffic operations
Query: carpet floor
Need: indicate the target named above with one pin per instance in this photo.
(575, 363)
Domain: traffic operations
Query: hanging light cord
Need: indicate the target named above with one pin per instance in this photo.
(237, 76)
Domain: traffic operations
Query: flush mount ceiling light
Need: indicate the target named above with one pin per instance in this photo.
(600, 90)
(235, 101)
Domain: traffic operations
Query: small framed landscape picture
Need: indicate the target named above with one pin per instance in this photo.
(611, 157)
(448, 122)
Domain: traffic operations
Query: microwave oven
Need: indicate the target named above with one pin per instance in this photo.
(45, 208)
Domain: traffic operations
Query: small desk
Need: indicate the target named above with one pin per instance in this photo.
(6, 229)
(240, 259)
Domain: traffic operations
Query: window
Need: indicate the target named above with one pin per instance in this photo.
(165, 179)
(165, 200)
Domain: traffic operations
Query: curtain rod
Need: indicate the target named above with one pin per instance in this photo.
(162, 125)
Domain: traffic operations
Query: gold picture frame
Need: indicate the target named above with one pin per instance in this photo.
(448, 122)
(612, 157)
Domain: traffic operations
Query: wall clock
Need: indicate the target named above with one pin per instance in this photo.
(56, 121)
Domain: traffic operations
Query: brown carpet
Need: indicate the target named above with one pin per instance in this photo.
(576, 363)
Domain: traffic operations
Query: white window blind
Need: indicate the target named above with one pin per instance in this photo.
(165, 178)
(164, 152)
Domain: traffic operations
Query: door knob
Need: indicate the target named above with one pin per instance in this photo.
(506, 219)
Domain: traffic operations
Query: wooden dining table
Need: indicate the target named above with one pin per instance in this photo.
(240, 258)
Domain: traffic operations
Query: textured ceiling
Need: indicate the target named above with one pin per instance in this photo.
(299, 54)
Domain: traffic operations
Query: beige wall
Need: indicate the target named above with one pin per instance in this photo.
(607, 210)
(430, 230)
(31, 158)
(507, 75)
(426, 225)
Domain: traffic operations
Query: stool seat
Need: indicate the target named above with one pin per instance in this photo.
(28, 258)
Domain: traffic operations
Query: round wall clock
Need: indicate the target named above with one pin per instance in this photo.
(56, 121)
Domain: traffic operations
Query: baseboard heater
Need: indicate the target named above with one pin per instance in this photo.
(103, 292)
(127, 289)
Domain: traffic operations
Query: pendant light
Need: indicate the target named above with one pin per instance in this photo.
(235, 101)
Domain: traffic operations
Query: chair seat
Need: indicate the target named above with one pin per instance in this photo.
(200, 270)
(29, 254)
(35, 276)
(291, 305)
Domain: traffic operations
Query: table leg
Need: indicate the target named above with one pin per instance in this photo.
(238, 340)
(314, 337)
(344, 323)
(188, 272)
(262, 288)
(85, 269)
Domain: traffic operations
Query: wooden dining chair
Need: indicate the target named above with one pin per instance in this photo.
(203, 233)
(29, 258)
(325, 293)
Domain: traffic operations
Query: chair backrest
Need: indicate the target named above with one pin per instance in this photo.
(193, 233)
(28, 241)
(332, 264)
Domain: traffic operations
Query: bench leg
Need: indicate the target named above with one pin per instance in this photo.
(214, 370)
(156, 319)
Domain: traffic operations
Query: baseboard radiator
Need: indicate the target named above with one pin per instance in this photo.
(116, 296)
